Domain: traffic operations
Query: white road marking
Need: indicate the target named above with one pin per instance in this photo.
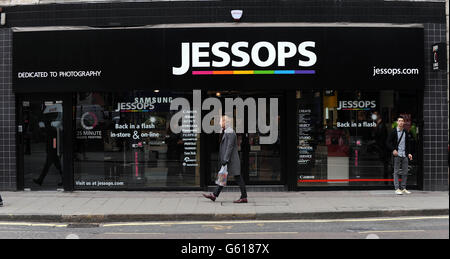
(72, 236)
(372, 236)
(391, 231)
(108, 233)
(261, 233)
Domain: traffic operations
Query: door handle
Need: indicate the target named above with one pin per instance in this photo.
(20, 136)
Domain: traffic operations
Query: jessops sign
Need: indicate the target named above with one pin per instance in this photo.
(220, 58)
(242, 55)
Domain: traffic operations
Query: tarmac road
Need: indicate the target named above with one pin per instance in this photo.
(433, 227)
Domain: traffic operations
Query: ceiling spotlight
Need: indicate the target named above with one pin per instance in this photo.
(236, 14)
(2, 17)
(156, 91)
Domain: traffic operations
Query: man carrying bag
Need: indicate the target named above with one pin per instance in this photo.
(229, 160)
(399, 144)
(222, 176)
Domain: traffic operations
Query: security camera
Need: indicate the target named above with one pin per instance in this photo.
(236, 14)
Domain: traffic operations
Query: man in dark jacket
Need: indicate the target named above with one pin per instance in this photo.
(228, 155)
(380, 135)
(1, 201)
(398, 144)
(52, 154)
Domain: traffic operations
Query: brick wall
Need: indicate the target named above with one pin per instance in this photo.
(7, 115)
(435, 115)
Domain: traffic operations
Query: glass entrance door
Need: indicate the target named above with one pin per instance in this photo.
(41, 129)
(261, 164)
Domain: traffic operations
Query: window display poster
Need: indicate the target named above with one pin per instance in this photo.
(253, 164)
(305, 136)
(124, 141)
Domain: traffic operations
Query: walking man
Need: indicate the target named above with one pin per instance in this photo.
(1, 201)
(228, 155)
(398, 143)
(380, 135)
(52, 154)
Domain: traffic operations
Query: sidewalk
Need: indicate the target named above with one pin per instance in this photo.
(98, 207)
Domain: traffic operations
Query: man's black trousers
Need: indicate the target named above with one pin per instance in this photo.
(240, 181)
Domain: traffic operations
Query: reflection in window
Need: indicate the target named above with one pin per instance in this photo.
(342, 135)
(260, 163)
(123, 141)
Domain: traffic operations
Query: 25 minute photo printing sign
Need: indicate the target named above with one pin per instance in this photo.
(218, 57)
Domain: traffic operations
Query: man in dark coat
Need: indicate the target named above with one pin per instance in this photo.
(1, 201)
(398, 144)
(380, 136)
(228, 155)
(52, 154)
(174, 161)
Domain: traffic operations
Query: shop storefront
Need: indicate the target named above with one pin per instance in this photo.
(94, 105)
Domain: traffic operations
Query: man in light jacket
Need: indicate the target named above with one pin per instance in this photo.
(228, 155)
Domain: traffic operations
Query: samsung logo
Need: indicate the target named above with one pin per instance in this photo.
(142, 103)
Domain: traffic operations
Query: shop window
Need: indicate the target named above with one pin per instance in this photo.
(260, 163)
(342, 136)
(124, 141)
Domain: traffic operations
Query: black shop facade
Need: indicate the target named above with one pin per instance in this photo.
(93, 106)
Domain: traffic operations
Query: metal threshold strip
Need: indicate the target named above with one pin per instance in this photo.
(218, 25)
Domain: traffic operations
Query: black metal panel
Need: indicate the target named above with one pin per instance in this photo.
(135, 14)
(347, 57)
(291, 145)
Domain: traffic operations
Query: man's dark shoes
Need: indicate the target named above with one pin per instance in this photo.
(242, 200)
(210, 196)
(37, 182)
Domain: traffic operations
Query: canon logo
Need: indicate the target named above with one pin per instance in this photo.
(205, 55)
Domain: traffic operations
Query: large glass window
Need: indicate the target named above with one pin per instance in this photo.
(260, 163)
(342, 136)
(124, 141)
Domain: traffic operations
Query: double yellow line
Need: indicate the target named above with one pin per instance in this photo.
(271, 221)
(26, 224)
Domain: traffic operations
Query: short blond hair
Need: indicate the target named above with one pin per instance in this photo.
(228, 120)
